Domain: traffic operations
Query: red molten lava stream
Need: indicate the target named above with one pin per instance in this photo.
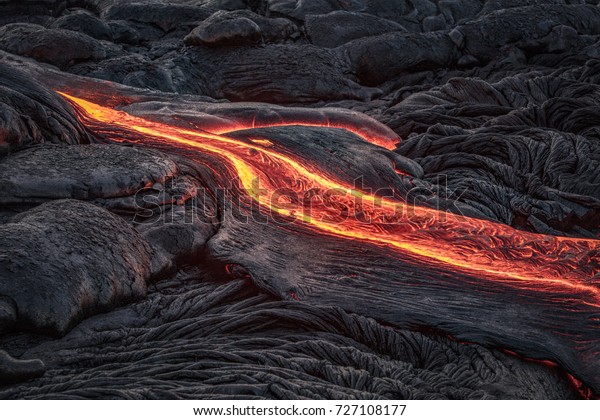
(479, 248)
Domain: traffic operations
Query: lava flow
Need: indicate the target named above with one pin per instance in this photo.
(482, 249)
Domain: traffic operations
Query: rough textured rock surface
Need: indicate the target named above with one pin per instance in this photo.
(263, 74)
(161, 195)
(87, 172)
(163, 15)
(31, 113)
(337, 28)
(236, 342)
(411, 51)
(68, 259)
(490, 107)
(13, 370)
(86, 23)
(55, 46)
(225, 29)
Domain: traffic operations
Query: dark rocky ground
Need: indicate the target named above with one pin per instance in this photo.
(496, 101)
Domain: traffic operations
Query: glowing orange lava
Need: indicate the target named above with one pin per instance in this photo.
(479, 248)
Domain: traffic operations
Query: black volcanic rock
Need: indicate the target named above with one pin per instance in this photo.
(225, 29)
(86, 23)
(126, 68)
(55, 46)
(68, 259)
(298, 9)
(484, 36)
(31, 113)
(83, 172)
(458, 10)
(271, 73)
(122, 32)
(32, 7)
(370, 57)
(144, 185)
(163, 15)
(13, 370)
(233, 341)
(337, 28)
(529, 142)
(492, 5)
(434, 23)
(8, 314)
(494, 110)
(273, 29)
(234, 28)
(396, 10)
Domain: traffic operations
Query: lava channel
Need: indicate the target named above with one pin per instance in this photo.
(480, 248)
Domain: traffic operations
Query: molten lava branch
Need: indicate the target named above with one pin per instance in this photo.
(479, 248)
